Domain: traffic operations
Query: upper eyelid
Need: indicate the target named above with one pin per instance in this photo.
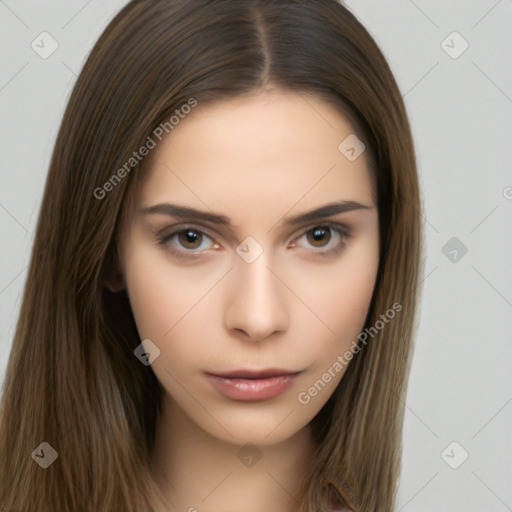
(168, 231)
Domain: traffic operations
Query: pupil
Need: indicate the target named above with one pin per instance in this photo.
(319, 237)
(190, 239)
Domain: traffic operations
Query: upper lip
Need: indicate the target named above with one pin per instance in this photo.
(255, 374)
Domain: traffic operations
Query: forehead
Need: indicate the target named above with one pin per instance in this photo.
(270, 151)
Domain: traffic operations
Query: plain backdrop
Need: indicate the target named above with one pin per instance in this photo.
(452, 62)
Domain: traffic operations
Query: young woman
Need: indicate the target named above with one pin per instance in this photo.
(223, 288)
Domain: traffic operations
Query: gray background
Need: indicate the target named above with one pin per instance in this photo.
(460, 109)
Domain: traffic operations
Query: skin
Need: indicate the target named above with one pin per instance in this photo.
(258, 160)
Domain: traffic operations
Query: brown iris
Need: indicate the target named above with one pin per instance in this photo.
(190, 239)
(319, 236)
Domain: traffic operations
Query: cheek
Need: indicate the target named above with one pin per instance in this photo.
(163, 296)
(338, 295)
(154, 303)
(348, 299)
(341, 301)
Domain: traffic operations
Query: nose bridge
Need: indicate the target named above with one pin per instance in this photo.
(257, 300)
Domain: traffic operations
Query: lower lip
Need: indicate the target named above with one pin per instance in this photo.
(252, 390)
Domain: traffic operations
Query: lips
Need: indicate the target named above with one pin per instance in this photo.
(252, 385)
(255, 374)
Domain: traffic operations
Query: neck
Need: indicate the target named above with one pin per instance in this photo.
(198, 472)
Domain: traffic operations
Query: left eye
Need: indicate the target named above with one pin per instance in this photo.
(324, 237)
(319, 237)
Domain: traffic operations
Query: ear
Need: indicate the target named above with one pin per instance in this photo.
(115, 281)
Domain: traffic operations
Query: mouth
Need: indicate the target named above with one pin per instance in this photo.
(252, 385)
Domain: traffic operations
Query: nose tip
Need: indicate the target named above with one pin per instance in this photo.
(256, 307)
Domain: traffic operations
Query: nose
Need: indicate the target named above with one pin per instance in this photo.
(256, 306)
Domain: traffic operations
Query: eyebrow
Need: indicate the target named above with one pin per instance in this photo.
(187, 214)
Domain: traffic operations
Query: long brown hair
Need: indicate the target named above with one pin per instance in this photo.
(72, 378)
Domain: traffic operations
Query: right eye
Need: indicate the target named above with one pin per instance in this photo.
(188, 240)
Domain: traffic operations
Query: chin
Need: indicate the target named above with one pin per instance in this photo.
(259, 428)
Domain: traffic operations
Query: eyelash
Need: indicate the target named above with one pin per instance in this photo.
(342, 231)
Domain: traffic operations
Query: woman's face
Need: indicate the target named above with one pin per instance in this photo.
(249, 286)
